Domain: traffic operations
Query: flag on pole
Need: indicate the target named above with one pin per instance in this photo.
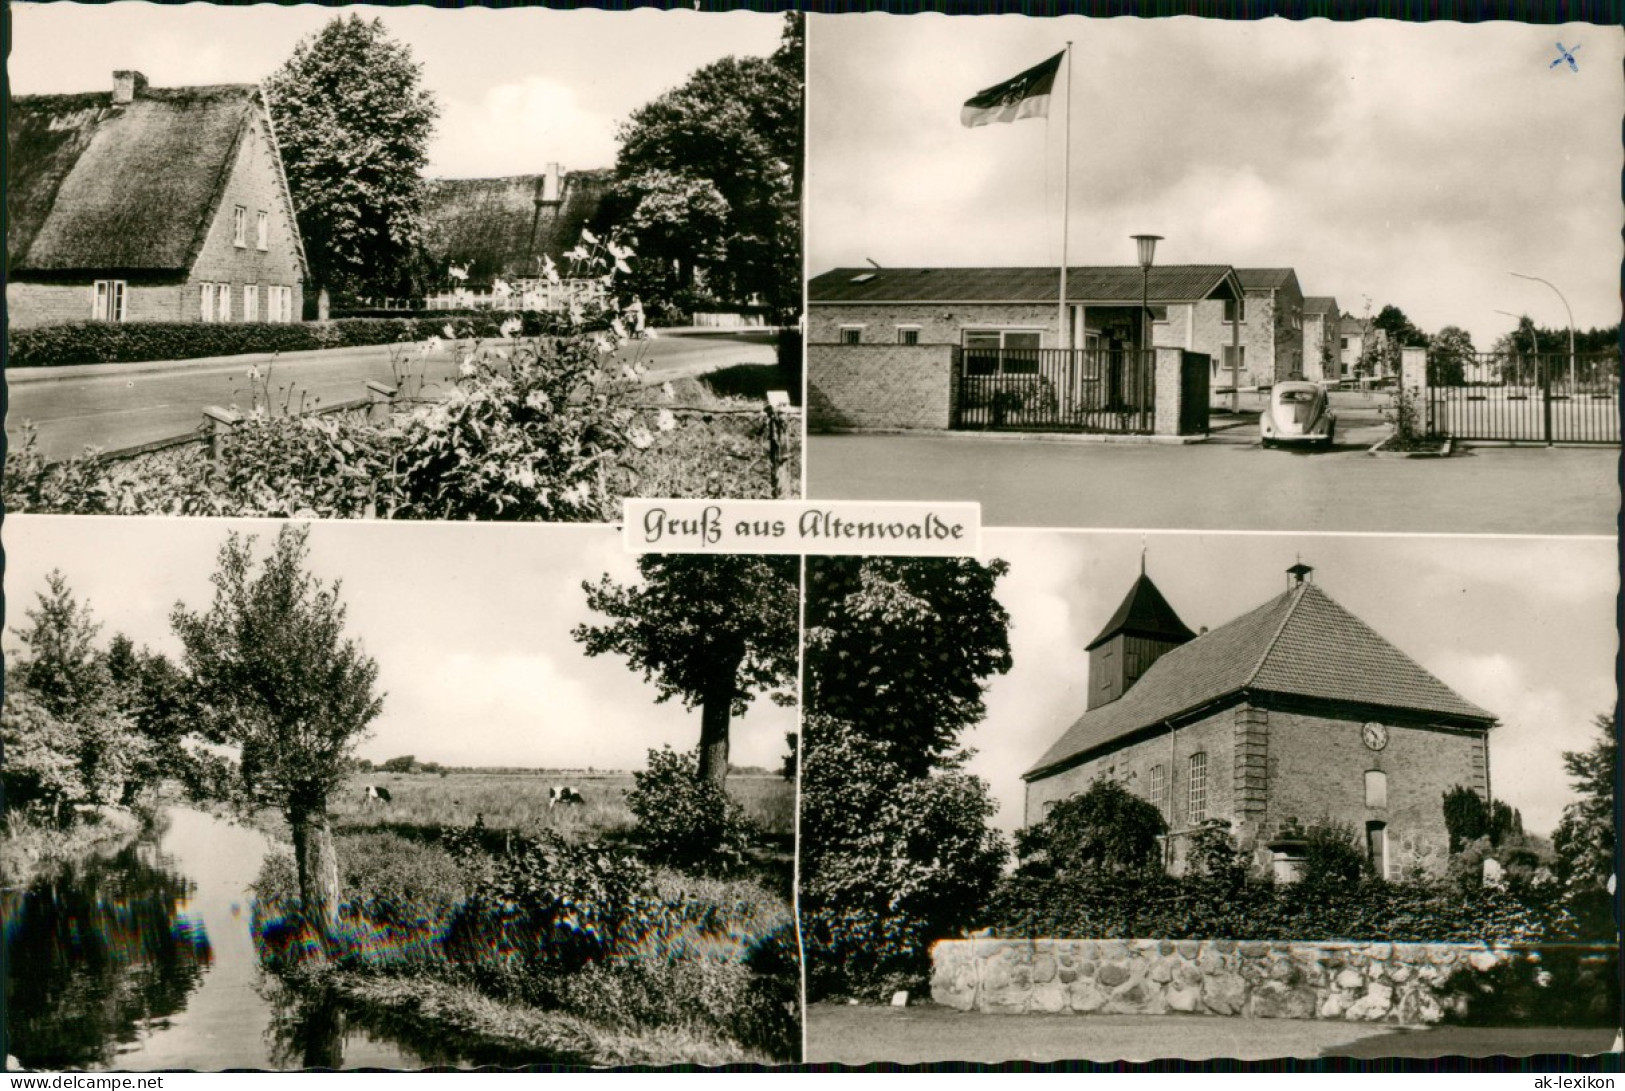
(1026, 95)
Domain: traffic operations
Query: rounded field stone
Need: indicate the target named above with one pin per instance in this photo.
(1253, 950)
(1044, 969)
(1189, 948)
(1161, 971)
(1113, 974)
(1067, 974)
(1224, 994)
(1087, 968)
(1183, 999)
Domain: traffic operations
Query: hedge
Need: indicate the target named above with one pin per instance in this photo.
(1132, 907)
(134, 342)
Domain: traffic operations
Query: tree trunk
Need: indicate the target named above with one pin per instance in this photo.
(318, 866)
(716, 711)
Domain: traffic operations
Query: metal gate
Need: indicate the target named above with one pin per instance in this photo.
(1525, 398)
(1057, 390)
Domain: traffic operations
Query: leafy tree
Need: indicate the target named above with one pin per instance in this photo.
(41, 770)
(1466, 817)
(1451, 351)
(905, 643)
(730, 141)
(686, 822)
(890, 862)
(406, 763)
(275, 676)
(1401, 331)
(59, 662)
(1586, 838)
(353, 121)
(153, 693)
(1332, 855)
(1106, 830)
(713, 631)
(894, 846)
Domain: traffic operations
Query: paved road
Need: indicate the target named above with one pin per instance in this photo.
(1230, 483)
(121, 405)
(844, 1034)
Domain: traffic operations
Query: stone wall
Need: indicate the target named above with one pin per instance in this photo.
(880, 387)
(1358, 982)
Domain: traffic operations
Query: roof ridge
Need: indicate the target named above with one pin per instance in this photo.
(1269, 645)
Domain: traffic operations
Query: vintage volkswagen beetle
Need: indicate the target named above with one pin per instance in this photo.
(1297, 412)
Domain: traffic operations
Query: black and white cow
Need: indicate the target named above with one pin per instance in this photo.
(563, 793)
(374, 793)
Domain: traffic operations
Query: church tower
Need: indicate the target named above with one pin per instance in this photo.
(1143, 630)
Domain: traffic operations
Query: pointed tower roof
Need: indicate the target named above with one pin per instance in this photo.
(1144, 612)
(1300, 643)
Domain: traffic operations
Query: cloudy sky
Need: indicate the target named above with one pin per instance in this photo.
(470, 625)
(1417, 164)
(518, 88)
(1523, 627)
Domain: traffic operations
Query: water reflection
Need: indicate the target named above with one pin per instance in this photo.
(95, 951)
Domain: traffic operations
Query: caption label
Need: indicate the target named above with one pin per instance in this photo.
(799, 526)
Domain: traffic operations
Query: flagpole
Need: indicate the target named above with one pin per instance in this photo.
(1064, 339)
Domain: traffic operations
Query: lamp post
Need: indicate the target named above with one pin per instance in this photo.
(1534, 342)
(1147, 246)
(1553, 287)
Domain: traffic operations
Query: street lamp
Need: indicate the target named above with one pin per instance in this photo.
(1534, 342)
(1553, 287)
(1147, 246)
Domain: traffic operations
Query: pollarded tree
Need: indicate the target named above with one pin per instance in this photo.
(275, 676)
(354, 121)
(713, 631)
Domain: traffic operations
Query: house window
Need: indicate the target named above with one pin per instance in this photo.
(1235, 310)
(851, 335)
(1235, 361)
(279, 303)
(251, 302)
(908, 335)
(1001, 352)
(1376, 788)
(107, 301)
(262, 228)
(1376, 847)
(1159, 786)
(208, 303)
(239, 226)
(1345, 342)
(1198, 789)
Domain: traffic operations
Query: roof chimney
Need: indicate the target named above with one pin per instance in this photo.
(1300, 573)
(550, 183)
(126, 86)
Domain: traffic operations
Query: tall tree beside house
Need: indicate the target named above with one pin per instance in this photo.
(275, 676)
(712, 631)
(354, 122)
(894, 844)
(731, 139)
(1449, 355)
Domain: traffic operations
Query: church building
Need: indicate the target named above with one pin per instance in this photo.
(1295, 712)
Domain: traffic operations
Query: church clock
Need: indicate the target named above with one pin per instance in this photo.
(1375, 736)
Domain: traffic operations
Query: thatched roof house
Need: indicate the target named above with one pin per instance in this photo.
(503, 227)
(148, 203)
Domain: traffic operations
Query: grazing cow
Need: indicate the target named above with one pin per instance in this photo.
(562, 793)
(374, 793)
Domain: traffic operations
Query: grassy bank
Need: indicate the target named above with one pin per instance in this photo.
(555, 945)
(31, 849)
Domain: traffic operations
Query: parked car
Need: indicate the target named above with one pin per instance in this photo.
(1297, 412)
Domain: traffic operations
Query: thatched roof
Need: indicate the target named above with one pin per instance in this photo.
(133, 188)
(503, 226)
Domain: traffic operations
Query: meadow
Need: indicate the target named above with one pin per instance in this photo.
(422, 804)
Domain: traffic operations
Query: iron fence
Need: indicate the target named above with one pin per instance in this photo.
(1057, 390)
(1550, 397)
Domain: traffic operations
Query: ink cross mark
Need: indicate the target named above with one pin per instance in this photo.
(1565, 54)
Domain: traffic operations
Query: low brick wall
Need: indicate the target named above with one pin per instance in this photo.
(1359, 982)
(880, 387)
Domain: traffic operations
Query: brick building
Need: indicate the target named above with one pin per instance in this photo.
(149, 204)
(1266, 329)
(1322, 349)
(504, 227)
(1295, 711)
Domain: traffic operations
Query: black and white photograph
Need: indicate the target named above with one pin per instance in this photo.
(335, 795)
(400, 263)
(1205, 274)
(1120, 797)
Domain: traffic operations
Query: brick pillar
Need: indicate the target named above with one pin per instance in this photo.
(1251, 775)
(1413, 371)
(1169, 373)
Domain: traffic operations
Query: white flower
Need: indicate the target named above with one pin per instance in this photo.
(465, 368)
(628, 373)
(576, 253)
(578, 494)
(526, 479)
(665, 421)
(667, 392)
(538, 401)
(621, 266)
(511, 327)
(640, 438)
(253, 373)
(620, 252)
(432, 345)
(602, 343)
(588, 236)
